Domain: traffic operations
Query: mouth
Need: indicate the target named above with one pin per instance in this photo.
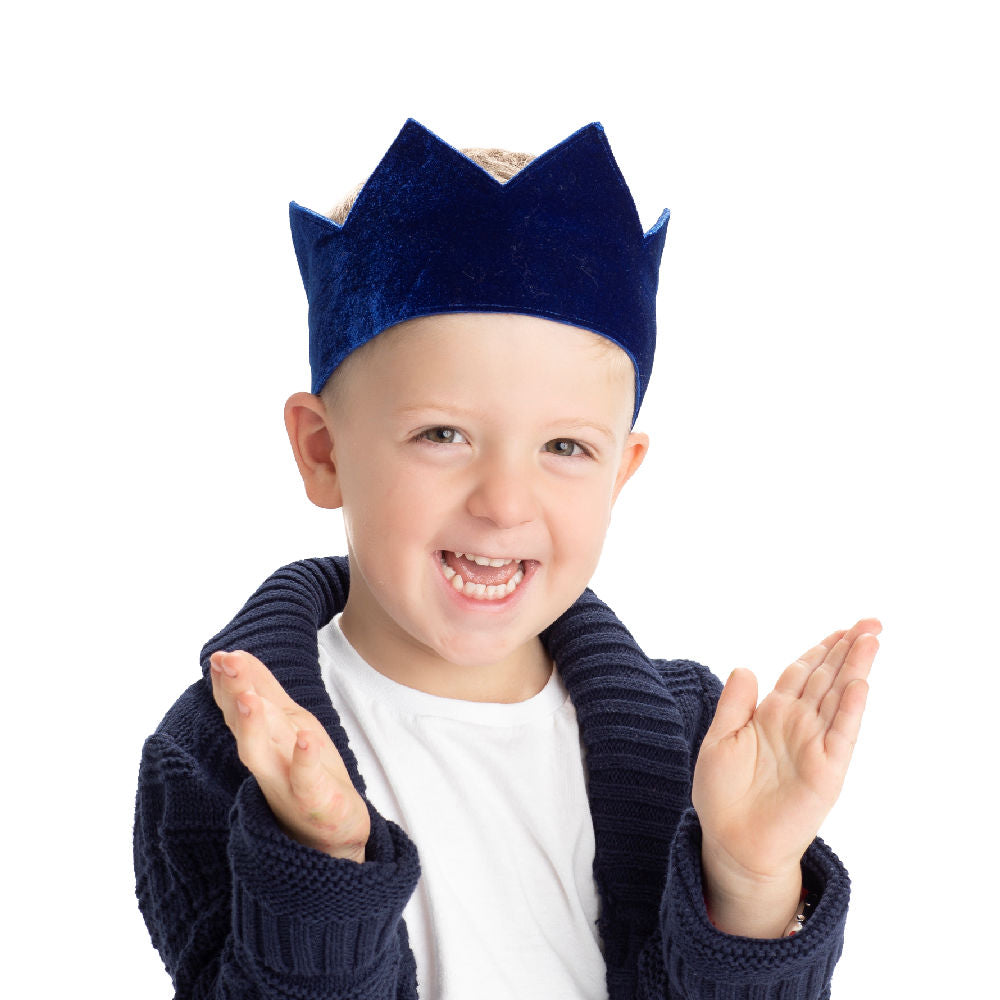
(482, 577)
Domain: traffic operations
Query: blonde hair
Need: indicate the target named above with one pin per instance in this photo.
(501, 164)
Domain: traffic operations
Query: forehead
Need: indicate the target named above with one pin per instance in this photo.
(521, 364)
(537, 348)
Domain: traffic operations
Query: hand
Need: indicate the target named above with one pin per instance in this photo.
(298, 768)
(768, 774)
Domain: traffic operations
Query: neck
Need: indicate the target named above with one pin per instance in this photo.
(396, 655)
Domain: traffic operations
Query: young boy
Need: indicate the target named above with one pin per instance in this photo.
(509, 799)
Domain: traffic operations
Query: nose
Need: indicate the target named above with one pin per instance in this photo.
(503, 493)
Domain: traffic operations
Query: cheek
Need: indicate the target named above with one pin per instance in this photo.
(581, 521)
(384, 510)
(370, 483)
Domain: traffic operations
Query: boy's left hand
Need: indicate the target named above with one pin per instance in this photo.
(768, 774)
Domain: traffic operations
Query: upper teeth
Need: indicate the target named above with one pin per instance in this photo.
(484, 560)
(482, 591)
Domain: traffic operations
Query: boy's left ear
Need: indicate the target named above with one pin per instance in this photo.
(636, 446)
(312, 445)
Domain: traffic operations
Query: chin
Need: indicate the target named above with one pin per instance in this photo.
(477, 651)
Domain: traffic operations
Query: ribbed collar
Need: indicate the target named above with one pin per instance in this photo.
(637, 754)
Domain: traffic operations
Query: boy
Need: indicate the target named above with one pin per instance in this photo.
(590, 822)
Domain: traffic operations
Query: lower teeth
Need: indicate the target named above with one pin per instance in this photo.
(480, 591)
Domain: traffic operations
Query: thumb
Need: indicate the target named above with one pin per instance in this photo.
(736, 706)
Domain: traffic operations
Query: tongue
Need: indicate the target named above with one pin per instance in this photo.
(472, 572)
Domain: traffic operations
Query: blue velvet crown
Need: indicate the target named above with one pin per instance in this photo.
(432, 232)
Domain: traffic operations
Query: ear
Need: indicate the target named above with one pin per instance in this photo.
(636, 446)
(308, 426)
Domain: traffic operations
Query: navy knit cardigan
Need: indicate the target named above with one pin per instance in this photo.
(238, 910)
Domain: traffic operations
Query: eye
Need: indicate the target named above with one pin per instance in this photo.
(442, 435)
(566, 447)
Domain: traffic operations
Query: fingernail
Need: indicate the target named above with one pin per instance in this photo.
(244, 710)
(227, 666)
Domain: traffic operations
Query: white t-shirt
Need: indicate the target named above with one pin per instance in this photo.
(494, 797)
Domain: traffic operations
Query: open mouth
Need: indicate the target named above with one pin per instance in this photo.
(483, 578)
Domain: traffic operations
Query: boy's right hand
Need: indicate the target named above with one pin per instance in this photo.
(298, 768)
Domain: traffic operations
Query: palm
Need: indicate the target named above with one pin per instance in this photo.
(298, 768)
(768, 774)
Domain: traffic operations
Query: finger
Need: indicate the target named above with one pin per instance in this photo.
(833, 638)
(305, 775)
(793, 679)
(735, 707)
(857, 666)
(842, 735)
(325, 801)
(239, 663)
(872, 625)
(260, 748)
(822, 678)
(225, 690)
(331, 816)
(827, 675)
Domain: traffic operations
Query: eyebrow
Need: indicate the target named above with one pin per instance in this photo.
(585, 424)
(570, 424)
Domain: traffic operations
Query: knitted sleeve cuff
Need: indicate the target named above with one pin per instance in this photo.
(300, 912)
(699, 958)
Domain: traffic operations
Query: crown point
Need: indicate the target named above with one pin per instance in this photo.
(432, 231)
(659, 225)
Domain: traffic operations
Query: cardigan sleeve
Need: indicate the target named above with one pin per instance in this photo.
(239, 910)
(688, 957)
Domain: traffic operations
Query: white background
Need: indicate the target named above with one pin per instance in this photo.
(823, 408)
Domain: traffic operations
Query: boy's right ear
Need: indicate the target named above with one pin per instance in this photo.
(309, 433)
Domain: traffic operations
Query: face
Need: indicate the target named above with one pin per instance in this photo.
(477, 458)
